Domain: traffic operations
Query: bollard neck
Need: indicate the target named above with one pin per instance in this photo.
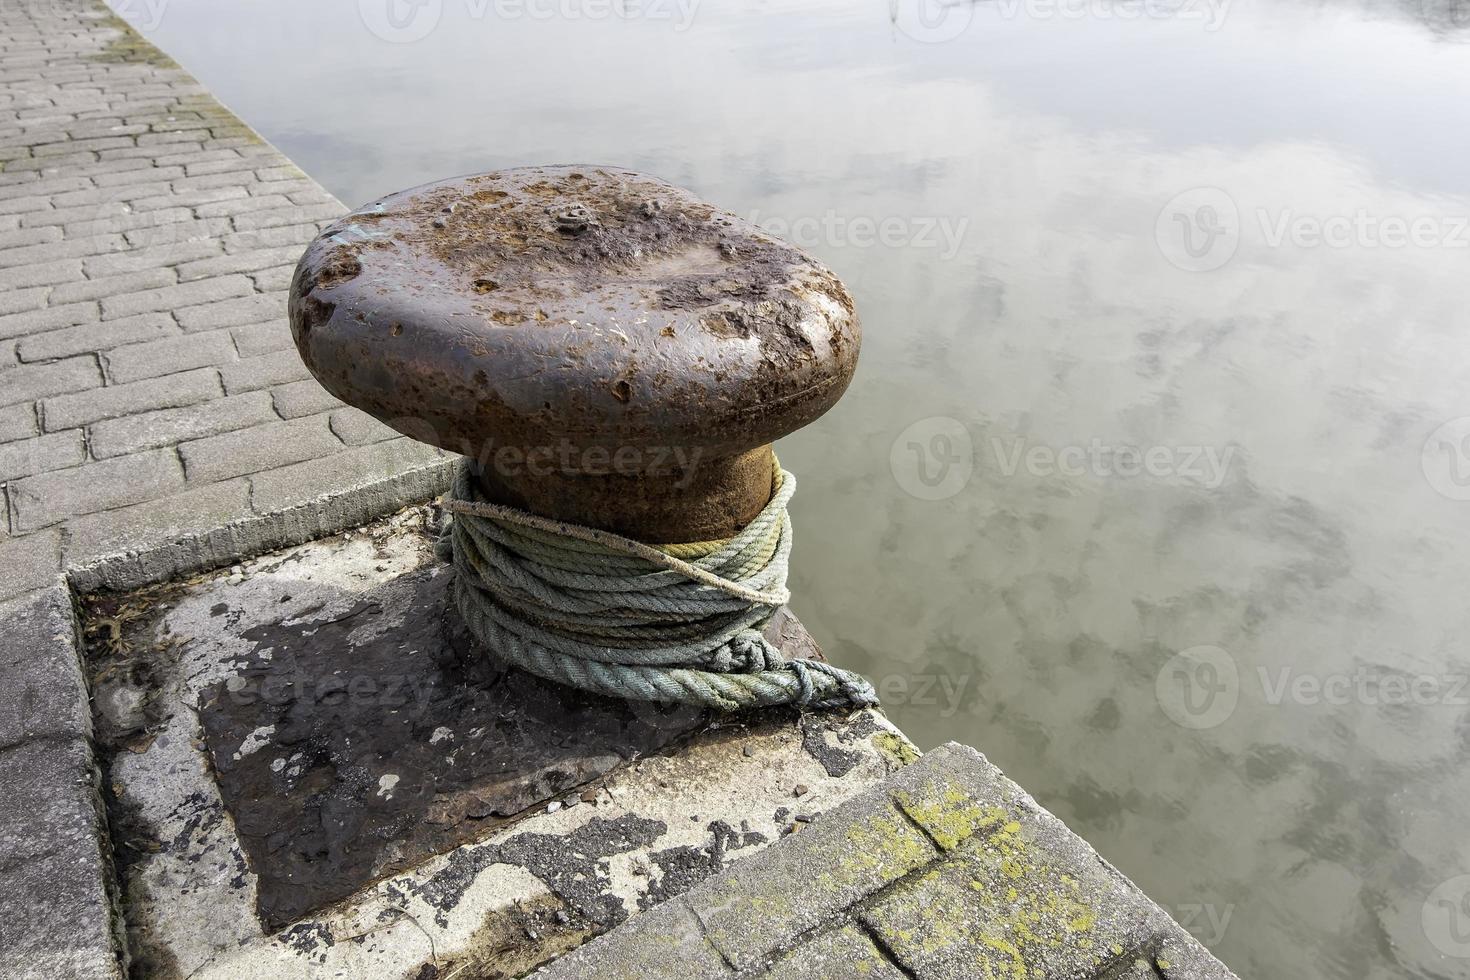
(685, 500)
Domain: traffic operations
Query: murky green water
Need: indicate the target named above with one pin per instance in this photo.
(1154, 483)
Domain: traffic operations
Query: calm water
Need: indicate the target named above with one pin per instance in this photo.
(1151, 483)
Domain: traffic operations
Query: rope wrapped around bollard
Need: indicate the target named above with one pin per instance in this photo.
(607, 614)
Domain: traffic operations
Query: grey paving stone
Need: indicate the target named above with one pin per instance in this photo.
(176, 297)
(18, 422)
(42, 695)
(28, 236)
(357, 428)
(287, 216)
(56, 919)
(172, 426)
(264, 371)
(29, 382)
(24, 300)
(56, 915)
(173, 391)
(170, 355)
(75, 292)
(98, 244)
(255, 339)
(264, 447)
(298, 233)
(29, 562)
(275, 279)
(840, 954)
(254, 308)
(54, 451)
(97, 336)
(135, 259)
(302, 398)
(246, 261)
(53, 497)
(46, 274)
(51, 318)
(157, 522)
(303, 483)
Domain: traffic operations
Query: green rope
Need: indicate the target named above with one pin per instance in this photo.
(604, 613)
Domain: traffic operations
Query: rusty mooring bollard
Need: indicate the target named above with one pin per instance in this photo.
(611, 350)
(614, 357)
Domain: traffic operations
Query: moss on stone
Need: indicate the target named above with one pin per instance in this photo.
(128, 47)
(896, 748)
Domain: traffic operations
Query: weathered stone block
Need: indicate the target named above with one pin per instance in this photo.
(842, 954)
(41, 691)
(264, 371)
(172, 391)
(849, 853)
(52, 497)
(248, 451)
(136, 362)
(32, 381)
(668, 943)
(170, 426)
(302, 398)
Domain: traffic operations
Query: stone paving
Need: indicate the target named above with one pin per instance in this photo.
(948, 871)
(149, 390)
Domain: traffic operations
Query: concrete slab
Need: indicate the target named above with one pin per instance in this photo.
(56, 913)
(278, 834)
(998, 890)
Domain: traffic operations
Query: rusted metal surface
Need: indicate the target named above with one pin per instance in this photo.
(610, 349)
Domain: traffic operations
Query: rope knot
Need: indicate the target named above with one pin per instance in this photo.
(746, 653)
(603, 613)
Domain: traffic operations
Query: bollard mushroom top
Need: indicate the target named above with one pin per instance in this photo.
(585, 304)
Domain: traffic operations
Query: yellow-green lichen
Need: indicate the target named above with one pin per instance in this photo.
(950, 815)
(1021, 914)
(896, 748)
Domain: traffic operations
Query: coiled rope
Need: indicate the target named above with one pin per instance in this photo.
(608, 614)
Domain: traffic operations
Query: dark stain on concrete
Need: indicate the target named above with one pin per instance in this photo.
(354, 746)
(684, 867)
(837, 761)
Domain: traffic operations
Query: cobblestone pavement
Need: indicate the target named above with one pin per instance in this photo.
(948, 871)
(149, 389)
